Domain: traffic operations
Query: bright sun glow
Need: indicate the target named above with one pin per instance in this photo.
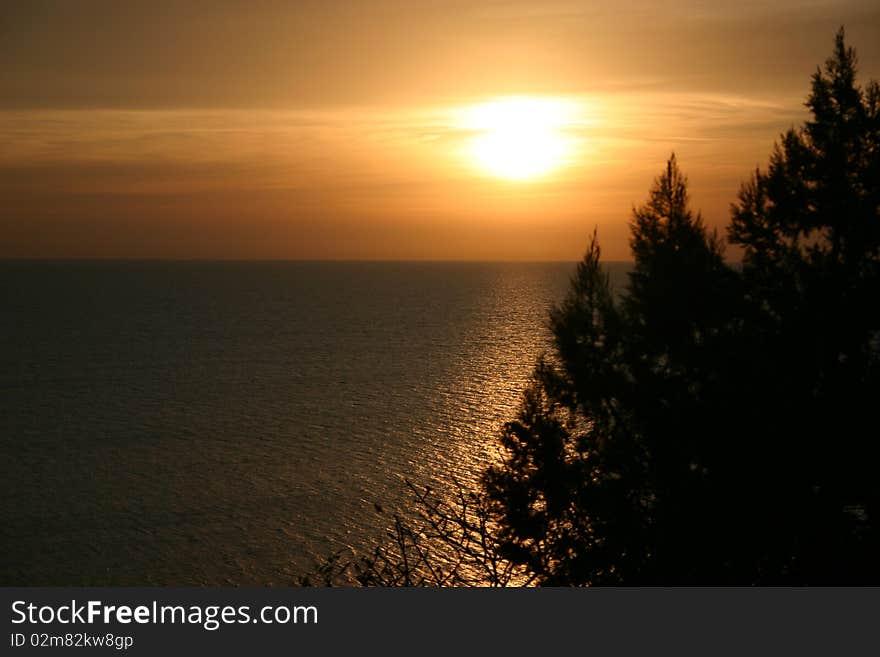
(519, 138)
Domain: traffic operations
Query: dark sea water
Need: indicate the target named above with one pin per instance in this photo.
(227, 423)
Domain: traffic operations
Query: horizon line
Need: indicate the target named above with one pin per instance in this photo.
(296, 260)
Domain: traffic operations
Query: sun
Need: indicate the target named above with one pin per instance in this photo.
(519, 138)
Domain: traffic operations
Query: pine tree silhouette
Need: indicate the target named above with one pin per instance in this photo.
(712, 424)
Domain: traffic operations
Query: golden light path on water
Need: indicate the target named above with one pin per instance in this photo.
(234, 422)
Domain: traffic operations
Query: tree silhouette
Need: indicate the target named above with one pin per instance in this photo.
(605, 464)
(810, 231)
(713, 425)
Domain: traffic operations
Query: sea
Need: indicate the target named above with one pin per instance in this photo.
(232, 423)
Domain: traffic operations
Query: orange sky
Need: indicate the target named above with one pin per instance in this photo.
(332, 129)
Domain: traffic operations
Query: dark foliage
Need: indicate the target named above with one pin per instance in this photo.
(714, 424)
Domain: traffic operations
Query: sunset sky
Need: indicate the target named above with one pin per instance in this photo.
(392, 129)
